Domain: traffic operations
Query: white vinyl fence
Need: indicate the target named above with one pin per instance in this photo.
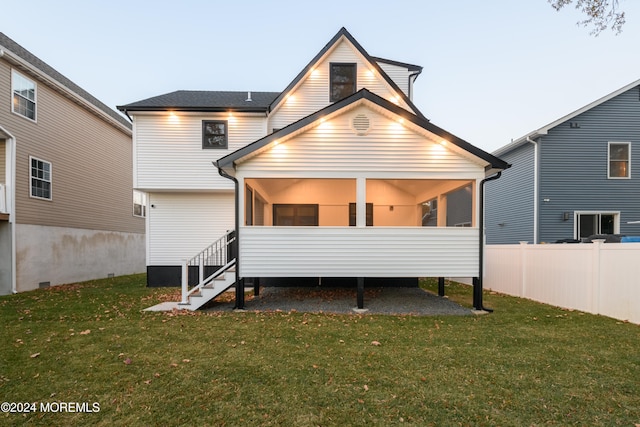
(599, 278)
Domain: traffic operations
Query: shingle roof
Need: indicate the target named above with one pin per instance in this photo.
(200, 100)
(8, 44)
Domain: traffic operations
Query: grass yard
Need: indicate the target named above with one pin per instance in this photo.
(527, 364)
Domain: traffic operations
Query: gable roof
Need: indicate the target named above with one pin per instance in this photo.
(494, 163)
(372, 61)
(545, 129)
(205, 101)
(25, 60)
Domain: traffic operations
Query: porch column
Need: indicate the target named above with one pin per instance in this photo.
(361, 202)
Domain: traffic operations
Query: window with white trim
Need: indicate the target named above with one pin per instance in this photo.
(139, 203)
(24, 95)
(619, 160)
(40, 178)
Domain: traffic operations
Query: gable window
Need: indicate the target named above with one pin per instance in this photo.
(590, 223)
(214, 134)
(343, 81)
(139, 203)
(40, 178)
(619, 159)
(24, 96)
(295, 215)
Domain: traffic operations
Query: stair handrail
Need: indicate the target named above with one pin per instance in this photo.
(220, 253)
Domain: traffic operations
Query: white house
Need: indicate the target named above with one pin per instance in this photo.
(339, 176)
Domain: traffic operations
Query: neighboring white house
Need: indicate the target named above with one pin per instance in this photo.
(338, 176)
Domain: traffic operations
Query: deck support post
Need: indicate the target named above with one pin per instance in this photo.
(477, 294)
(240, 294)
(360, 293)
(441, 286)
(256, 286)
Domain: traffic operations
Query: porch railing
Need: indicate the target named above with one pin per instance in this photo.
(214, 260)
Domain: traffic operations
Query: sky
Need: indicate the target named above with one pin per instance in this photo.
(494, 70)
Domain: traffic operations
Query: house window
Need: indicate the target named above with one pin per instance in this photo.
(24, 96)
(295, 215)
(619, 159)
(139, 203)
(40, 178)
(343, 81)
(430, 213)
(214, 134)
(352, 215)
(590, 223)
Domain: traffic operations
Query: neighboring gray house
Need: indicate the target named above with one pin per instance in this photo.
(573, 178)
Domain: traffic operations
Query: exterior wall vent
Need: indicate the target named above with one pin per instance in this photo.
(361, 124)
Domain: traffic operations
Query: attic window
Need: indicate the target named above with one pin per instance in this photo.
(342, 80)
(361, 124)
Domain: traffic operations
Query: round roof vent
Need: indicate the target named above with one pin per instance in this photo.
(361, 124)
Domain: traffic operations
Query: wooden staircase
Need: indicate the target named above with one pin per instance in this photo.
(220, 253)
(213, 286)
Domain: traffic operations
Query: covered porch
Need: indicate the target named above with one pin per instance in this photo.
(358, 227)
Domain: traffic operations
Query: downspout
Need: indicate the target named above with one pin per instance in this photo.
(535, 188)
(477, 284)
(239, 283)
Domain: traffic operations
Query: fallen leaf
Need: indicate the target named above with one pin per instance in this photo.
(157, 375)
(127, 361)
(147, 382)
(366, 387)
(34, 355)
(174, 365)
(375, 343)
(186, 360)
(86, 332)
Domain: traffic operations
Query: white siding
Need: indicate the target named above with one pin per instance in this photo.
(181, 225)
(313, 93)
(358, 252)
(399, 75)
(388, 150)
(169, 154)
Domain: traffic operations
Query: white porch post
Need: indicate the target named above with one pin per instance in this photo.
(361, 202)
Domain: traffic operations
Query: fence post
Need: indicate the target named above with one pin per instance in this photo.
(523, 268)
(595, 285)
(185, 282)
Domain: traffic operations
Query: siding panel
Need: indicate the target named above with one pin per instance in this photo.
(358, 252)
(388, 148)
(169, 153)
(171, 240)
(509, 200)
(92, 163)
(574, 167)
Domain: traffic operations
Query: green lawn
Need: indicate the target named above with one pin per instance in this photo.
(527, 364)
